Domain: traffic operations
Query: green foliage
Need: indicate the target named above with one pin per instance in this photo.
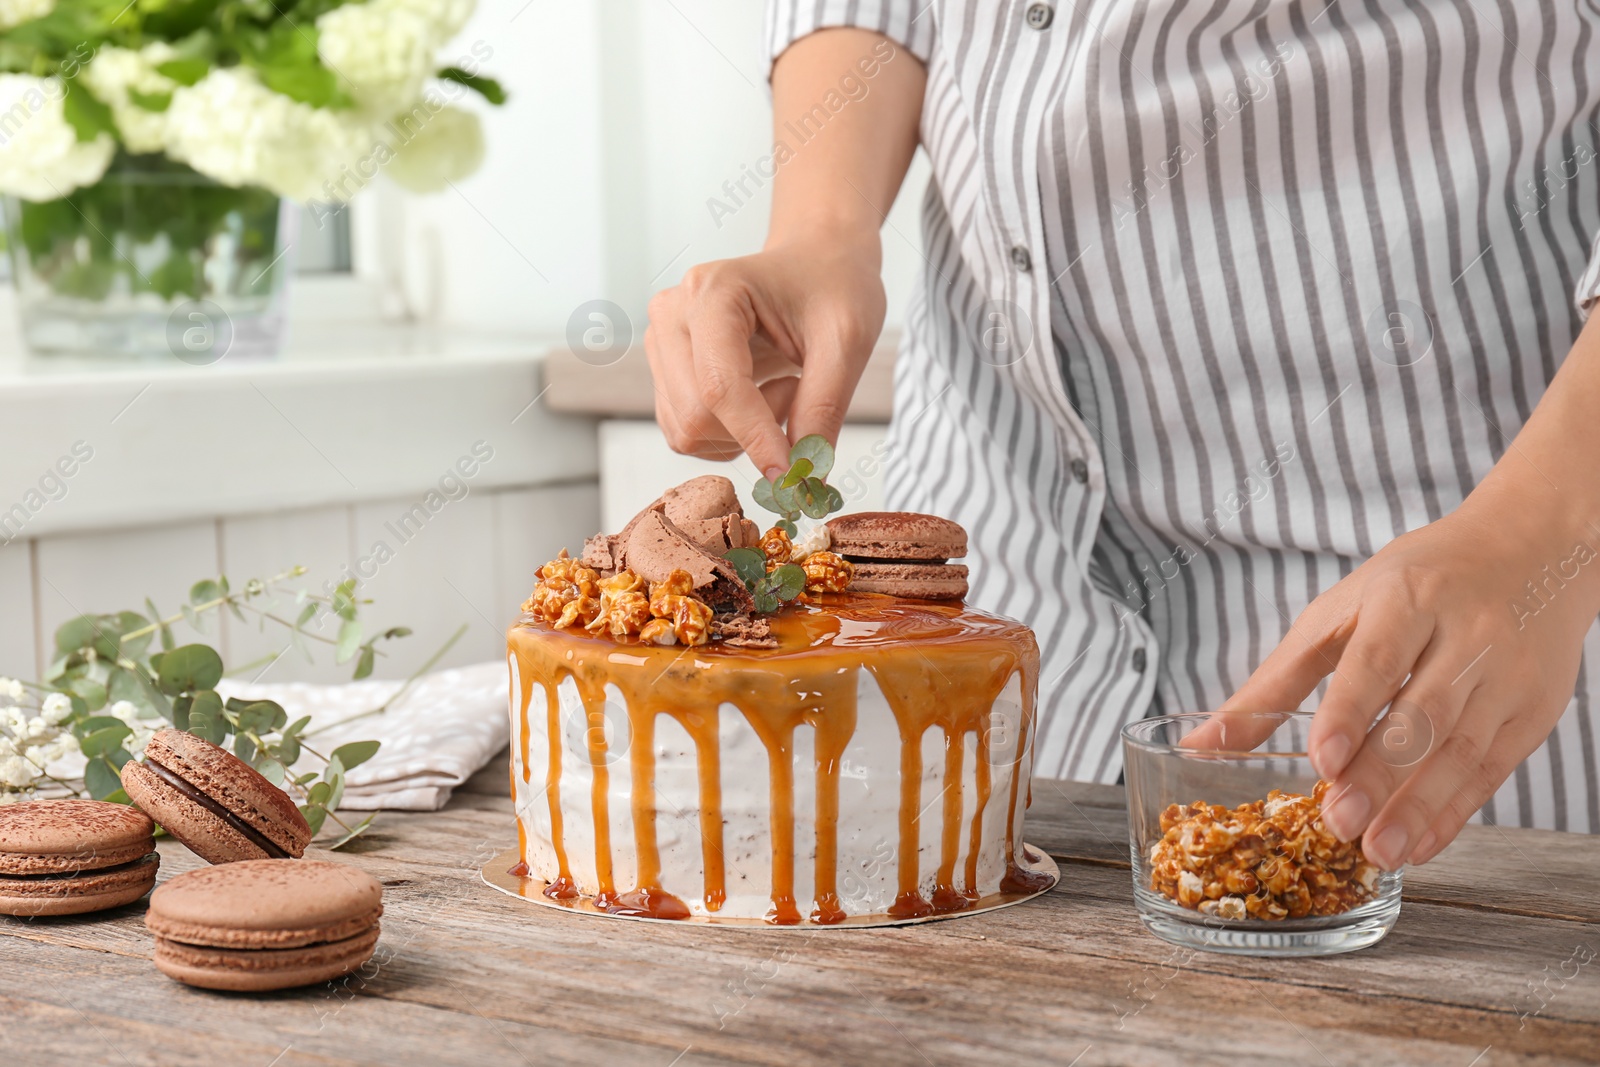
(769, 590)
(147, 227)
(487, 88)
(803, 488)
(102, 659)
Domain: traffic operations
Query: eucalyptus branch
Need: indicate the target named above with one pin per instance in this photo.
(427, 666)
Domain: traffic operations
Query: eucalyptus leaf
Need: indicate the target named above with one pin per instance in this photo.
(349, 640)
(813, 496)
(788, 527)
(92, 692)
(797, 474)
(288, 749)
(814, 449)
(354, 832)
(762, 492)
(180, 712)
(100, 778)
(364, 663)
(165, 631)
(192, 617)
(206, 719)
(315, 815)
(344, 599)
(76, 633)
(307, 613)
(356, 753)
(335, 776)
(188, 668)
(749, 563)
(271, 770)
(204, 591)
(787, 581)
(104, 741)
(318, 795)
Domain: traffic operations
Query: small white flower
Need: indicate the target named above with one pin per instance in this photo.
(125, 710)
(16, 12)
(17, 772)
(57, 707)
(114, 72)
(12, 689)
(15, 720)
(445, 148)
(41, 157)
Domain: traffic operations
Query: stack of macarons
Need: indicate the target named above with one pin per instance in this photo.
(263, 919)
(68, 857)
(902, 553)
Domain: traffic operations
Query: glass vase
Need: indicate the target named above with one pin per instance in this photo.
(153, 262)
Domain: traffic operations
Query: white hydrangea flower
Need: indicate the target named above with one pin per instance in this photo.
(381, 50)
(40, 155)
(116, 70)
(16, 12)
(447, 148)
(447, 17)
(230, 127)
(56, 708)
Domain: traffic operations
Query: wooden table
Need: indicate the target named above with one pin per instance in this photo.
(466, 975)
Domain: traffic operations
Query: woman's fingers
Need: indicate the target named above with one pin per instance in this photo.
(1389, 635)
(1457, 778)
(1307, 653)
(1424, 712)
(721, 320)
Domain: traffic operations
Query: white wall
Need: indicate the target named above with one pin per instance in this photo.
(625, 117)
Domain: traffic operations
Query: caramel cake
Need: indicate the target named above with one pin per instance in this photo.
(849, 757)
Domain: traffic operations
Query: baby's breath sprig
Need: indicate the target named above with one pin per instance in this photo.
(803, 489)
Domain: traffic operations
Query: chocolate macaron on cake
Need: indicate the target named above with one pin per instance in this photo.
(265, 924)
(214, 802)
(68, 857)
(902, 553)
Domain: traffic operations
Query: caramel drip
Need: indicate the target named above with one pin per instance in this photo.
(563, 888)
(975, 836)
(956, 694)
(936, 664)
(946, 897)
(1018, 879)
(708, 759)
(593, 693)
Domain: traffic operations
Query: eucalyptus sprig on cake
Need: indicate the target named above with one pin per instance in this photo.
(117, 678)
(803, 489)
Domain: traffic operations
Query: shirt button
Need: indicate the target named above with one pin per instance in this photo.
(1021, 258)
(1040, 16)
(1138, 661)
(1080, 469)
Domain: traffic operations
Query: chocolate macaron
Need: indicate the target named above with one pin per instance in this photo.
(902, 553)
(68, 857)
(265, 924)
(214, 802)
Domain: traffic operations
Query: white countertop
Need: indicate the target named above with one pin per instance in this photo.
(347, 413)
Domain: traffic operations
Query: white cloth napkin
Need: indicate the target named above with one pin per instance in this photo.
(445, 728)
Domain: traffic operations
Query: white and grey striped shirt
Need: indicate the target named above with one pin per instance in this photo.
(1293, 272)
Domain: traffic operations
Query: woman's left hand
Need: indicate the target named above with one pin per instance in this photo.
(1470, 631)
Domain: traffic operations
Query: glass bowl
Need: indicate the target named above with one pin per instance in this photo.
(1301, 892)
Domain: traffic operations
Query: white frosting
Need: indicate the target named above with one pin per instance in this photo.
(869, 803)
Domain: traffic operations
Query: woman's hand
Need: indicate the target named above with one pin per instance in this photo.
(726, 343)
(1478, 664)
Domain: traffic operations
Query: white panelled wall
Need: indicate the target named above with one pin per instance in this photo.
(472, 563)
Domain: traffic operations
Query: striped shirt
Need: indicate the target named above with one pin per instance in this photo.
(1221, 296)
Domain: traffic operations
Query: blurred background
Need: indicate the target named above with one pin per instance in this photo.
(460, 390)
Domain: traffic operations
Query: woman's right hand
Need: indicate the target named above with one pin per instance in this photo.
(727, 343)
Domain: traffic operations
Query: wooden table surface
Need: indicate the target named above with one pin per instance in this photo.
(1493, 962)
